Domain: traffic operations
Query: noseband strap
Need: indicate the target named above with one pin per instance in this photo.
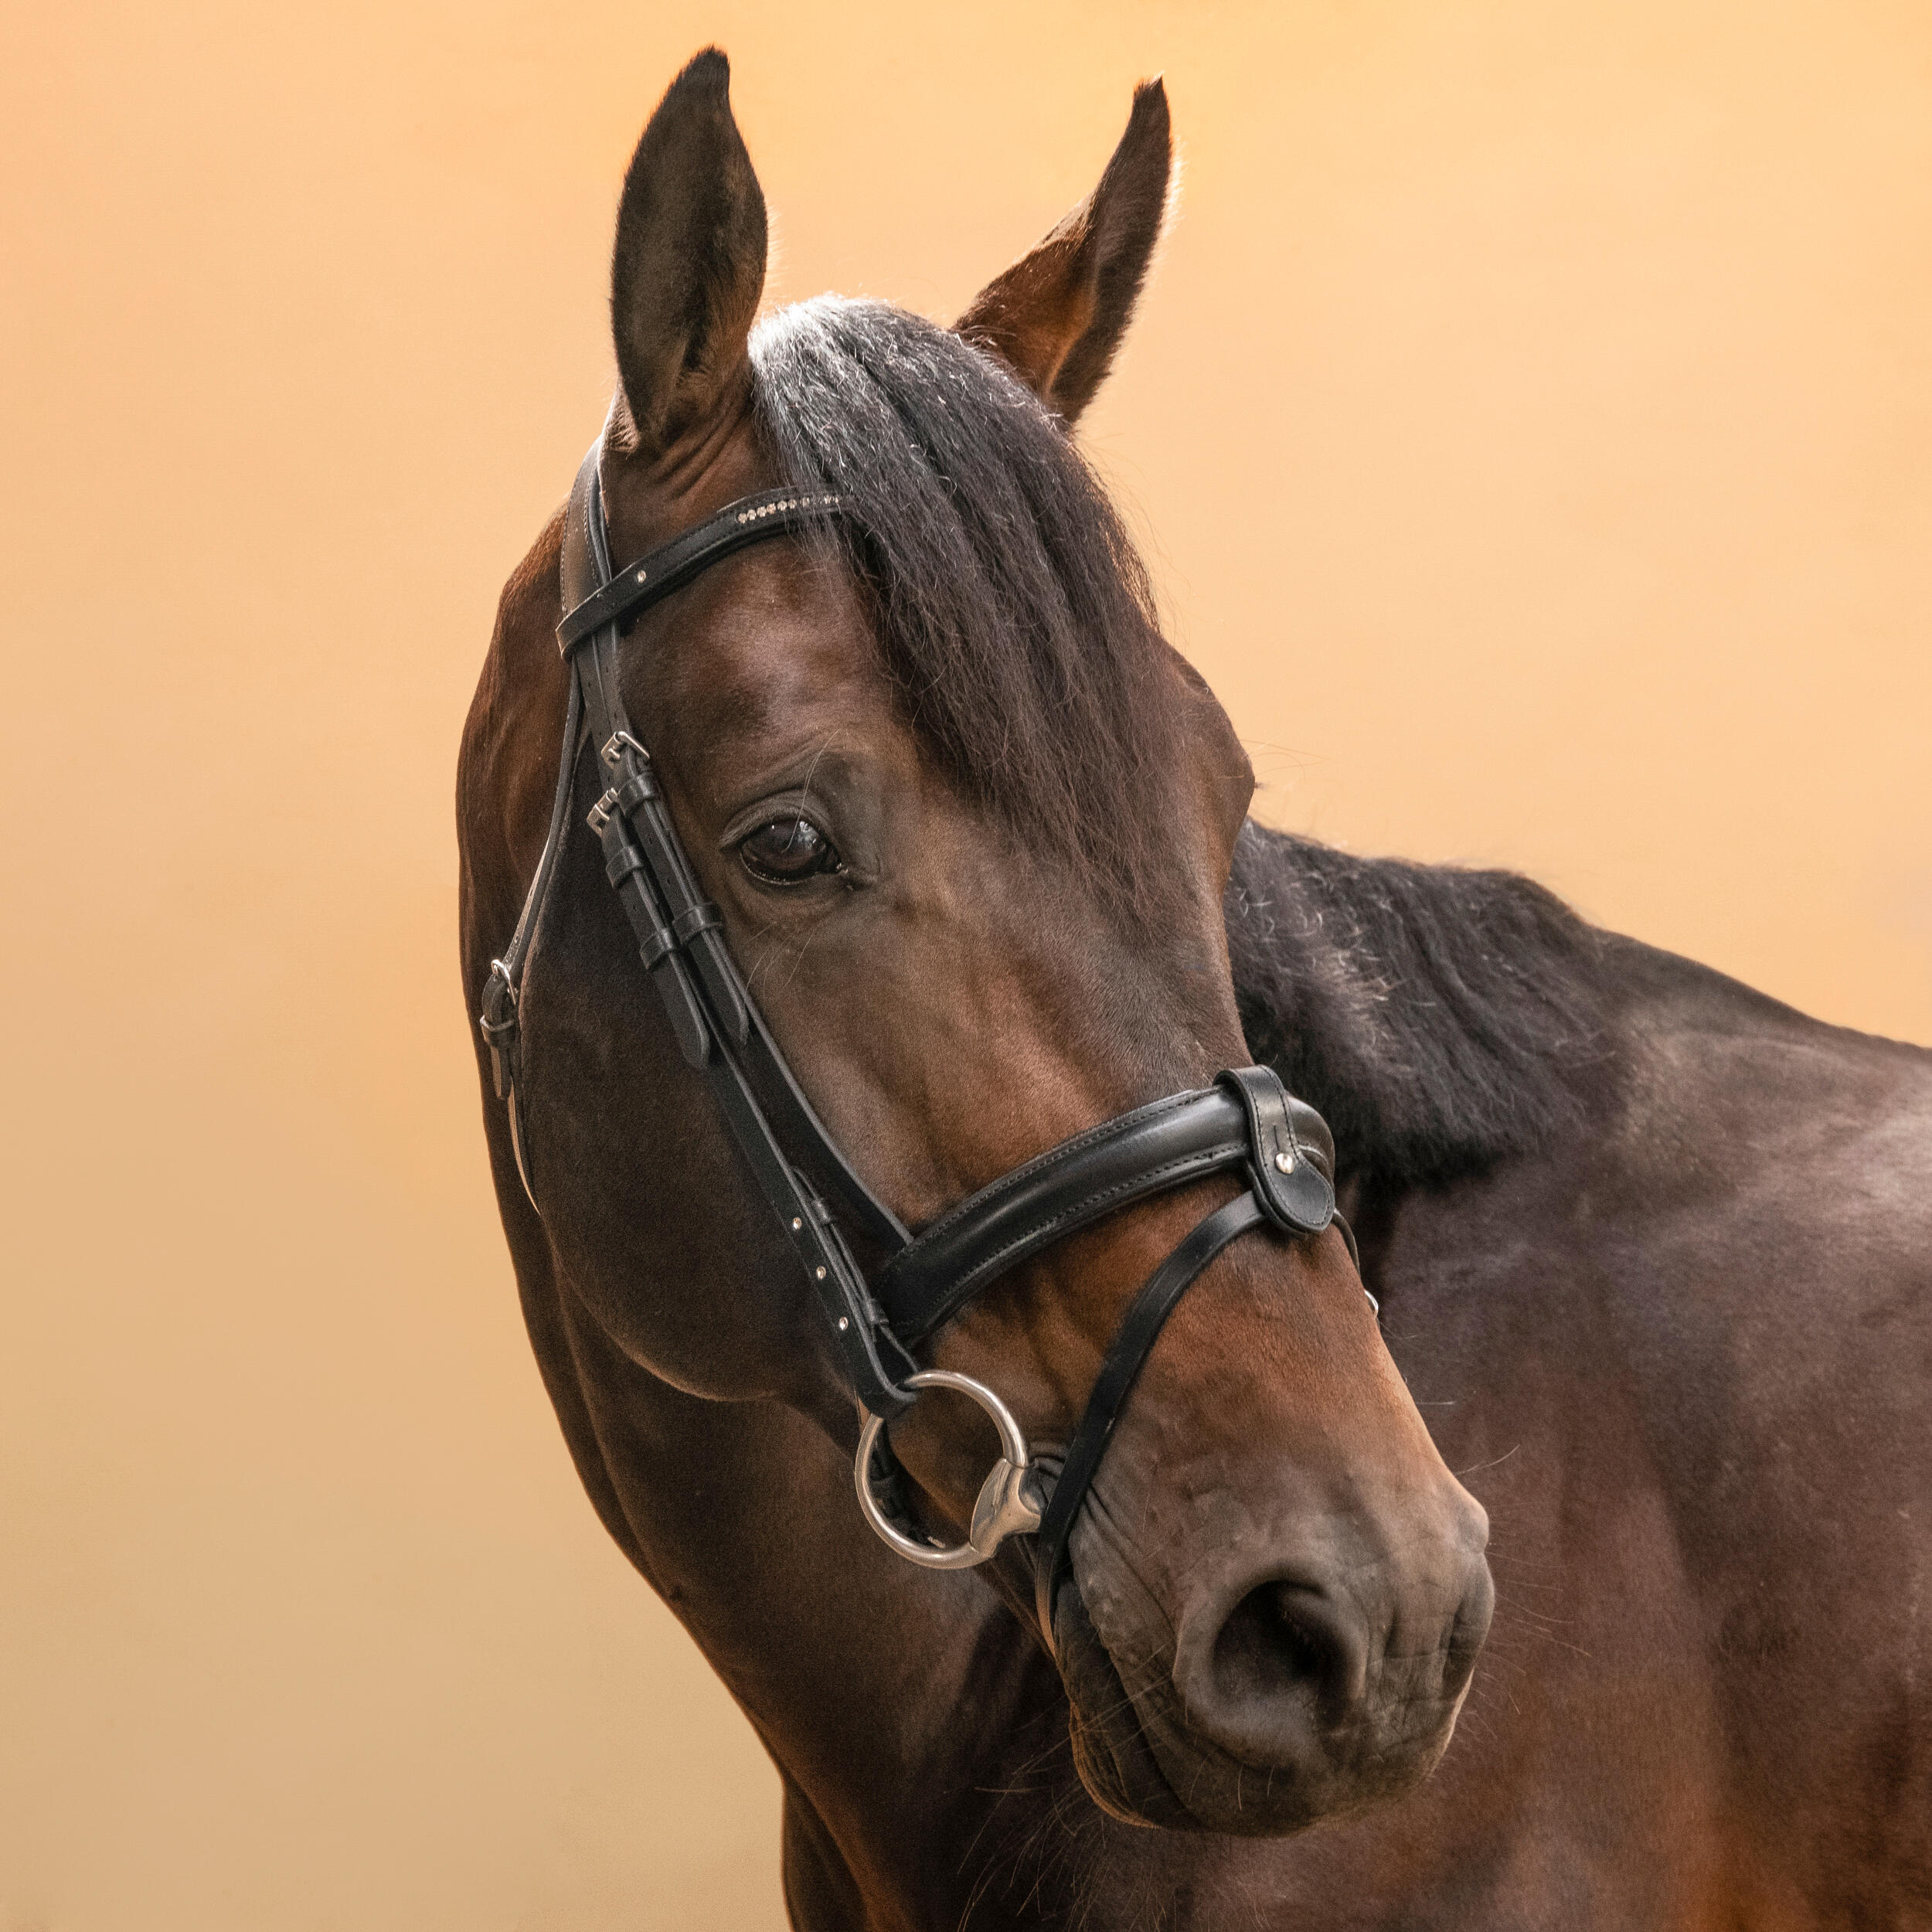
(1153, 1150)
(1245, 1123)
(1132, 1342)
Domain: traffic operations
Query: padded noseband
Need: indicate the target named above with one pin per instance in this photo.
(1246, 1120)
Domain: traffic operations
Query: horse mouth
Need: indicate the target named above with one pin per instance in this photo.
(1112, 1752)
(1144, 1762)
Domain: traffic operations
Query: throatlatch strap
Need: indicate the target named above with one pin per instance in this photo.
(500, 1019)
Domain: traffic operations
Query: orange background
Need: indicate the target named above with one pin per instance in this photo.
(1531, 421)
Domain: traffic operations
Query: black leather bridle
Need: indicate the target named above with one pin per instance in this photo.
(1247, 1123)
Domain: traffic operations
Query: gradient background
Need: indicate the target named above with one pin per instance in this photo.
(1531, 422)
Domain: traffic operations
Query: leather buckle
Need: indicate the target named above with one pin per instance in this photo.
(498, 1022)
(1293, 1192)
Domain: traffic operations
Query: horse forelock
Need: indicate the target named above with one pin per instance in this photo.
(1015, 615)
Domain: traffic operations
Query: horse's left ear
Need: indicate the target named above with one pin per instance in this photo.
(1057, 315)
(689, 261)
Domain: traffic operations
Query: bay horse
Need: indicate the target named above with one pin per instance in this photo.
(1650, 1250)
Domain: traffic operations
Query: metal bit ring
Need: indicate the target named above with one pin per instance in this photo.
(1006, 1507)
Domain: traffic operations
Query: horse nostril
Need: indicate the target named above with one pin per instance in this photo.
(1288, 1641)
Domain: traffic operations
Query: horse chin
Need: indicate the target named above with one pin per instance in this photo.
(1142, 1764)
(1110, 1750)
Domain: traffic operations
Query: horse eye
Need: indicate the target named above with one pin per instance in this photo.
(787, 851)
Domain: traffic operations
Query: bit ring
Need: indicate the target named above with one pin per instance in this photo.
(1007, 1505)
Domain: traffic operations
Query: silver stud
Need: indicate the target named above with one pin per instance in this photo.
(796, 1224)
(820, 1273)
(843, 1325)
(1284, 1162)
(642, 575)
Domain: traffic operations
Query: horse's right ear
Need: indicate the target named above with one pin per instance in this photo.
(689, 262)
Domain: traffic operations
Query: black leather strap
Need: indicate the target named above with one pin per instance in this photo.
(1126, 1354)
(1246, 1120)
(681, 939)
(1297, 1193)
(500, 1018)
(640, 584)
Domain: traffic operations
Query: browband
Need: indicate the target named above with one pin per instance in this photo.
(671, 566)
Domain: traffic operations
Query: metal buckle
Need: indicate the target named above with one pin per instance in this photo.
(1006, 1505)
(499, 999)
(617, 744)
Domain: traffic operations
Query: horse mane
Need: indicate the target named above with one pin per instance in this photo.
(1441, 1018)
(1015, 615)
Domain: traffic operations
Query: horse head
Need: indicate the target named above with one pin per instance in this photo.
(968, 819)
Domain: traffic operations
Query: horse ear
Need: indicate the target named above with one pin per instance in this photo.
(1057, 315)
(690, 262)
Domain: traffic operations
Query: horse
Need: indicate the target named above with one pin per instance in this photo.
(1649, 1248)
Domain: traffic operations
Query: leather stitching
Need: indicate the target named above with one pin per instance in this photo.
(1147, 1181)
(1041, 1164)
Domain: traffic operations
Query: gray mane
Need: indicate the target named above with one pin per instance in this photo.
(1441, 1018)
(1014, 614)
